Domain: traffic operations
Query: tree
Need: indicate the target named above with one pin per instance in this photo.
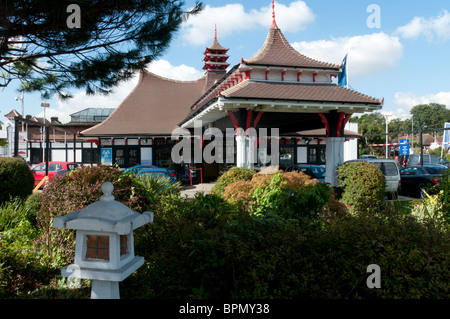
(430, 116)
(53, 45)
(371, 123)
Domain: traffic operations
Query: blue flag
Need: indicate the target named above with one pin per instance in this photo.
(342, 77)
(446, 139)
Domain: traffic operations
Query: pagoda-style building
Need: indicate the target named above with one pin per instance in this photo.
(215, 56)
(277, 88)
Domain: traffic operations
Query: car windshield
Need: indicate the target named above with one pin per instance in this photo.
(412, 171)
(434, 170)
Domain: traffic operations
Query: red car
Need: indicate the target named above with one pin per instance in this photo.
(38, 170)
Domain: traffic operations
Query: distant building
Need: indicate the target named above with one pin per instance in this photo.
(65, 142)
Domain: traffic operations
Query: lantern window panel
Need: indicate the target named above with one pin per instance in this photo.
(123, 245)
(97, 247)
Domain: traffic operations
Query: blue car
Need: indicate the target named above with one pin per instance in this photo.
(136, 169)
(155, 172)
(315, 171)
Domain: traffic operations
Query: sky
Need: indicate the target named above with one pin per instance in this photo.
(397, 50)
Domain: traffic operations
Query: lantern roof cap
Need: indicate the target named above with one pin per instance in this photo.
(107, 214)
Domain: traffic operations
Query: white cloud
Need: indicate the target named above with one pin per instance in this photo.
(233, 18)
(179, 72)
(433, 28)
(81, 101)
(409, 100)
(367, 54)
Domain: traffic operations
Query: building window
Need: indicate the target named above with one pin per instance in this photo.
(120, 157)
(97, 247)
(317, 154)
(133, 158)
(89, 155)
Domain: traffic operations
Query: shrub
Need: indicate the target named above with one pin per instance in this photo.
(76, 190)
(159, 184)
(16, 178)
(232, 175)
(33, 204)
(362, 185)
(292, 195)
(444, 196)
(194, 251)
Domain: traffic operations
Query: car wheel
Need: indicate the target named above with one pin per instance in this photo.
(423, 193)
(392, 195)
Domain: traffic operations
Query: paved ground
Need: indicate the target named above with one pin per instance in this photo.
(190, 191)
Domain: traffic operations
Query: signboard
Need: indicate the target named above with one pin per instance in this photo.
(106, 156)
(446, 140)
(404, 147)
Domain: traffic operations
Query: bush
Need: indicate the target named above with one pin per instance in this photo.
(76, 190)
(16, 179)
(362, 185)
(292, 195)
(159, 185)
(232, 175)
(208, 248)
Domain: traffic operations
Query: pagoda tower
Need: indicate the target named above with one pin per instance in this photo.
(216, 56)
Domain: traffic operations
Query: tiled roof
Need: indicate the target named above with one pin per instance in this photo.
(216, 46)
(154, 106)
(277, 51)
(297, 91)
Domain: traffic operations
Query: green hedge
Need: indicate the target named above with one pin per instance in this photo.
(362, 186)
(209, 248)
(16, 179)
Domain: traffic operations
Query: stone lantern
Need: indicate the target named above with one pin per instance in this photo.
(104, 249)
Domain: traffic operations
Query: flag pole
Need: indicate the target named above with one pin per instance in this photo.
(346, 70)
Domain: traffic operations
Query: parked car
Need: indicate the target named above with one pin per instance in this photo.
(391, 172)
(417, 179)
(414, 159)
(138, 168)
(315, 171)
(368, 157)
(38, 170)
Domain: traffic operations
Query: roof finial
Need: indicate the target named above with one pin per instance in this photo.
(273, 10)
(215, 32)
(274, 24)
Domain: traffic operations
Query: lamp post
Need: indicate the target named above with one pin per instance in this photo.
(387, 136)
(45, 105)
(21, 98)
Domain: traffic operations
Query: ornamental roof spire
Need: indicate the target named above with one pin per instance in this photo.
(274, 23)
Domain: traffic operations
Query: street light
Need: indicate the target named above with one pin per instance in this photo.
(21, 98)
(45, 105)
(387, 136)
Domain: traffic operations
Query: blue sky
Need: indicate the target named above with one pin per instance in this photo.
(403, 56)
